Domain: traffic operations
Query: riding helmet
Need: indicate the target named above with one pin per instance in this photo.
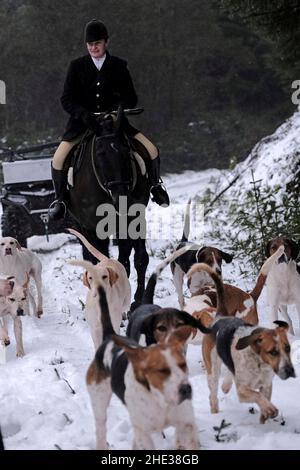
(95, 30)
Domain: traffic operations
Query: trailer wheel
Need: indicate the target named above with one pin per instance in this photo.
(14, 223)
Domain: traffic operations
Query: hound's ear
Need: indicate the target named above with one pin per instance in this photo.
(226, 256)
(147, 329)
(295, 248)
(206, 316)
(18, 245)
(133, 350)
(199, 253)
(243, 343)
(180, 335)
(252, 340)
(281, 324)
(194, 322)
(11, 280)
(85, 280)
(25, 285)
(267, 250)
(113, 276)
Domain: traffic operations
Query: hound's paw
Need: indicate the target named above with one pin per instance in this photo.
(20, 353)
(262, 419)
(226, 386)
(214, 408)
(102, 445)
(39, 313)
(5, 341)
(269, 411)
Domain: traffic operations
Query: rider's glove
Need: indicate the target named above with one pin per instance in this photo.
(90, 121)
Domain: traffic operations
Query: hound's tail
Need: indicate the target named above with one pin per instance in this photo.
(150, 289)
(88, 246)
(187, 224)
(263, 273)
(107, 326)
(221, 307)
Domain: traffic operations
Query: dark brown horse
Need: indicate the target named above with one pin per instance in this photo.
(108, 179)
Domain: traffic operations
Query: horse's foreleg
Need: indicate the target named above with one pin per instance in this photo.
(141, 261)
(125, 248)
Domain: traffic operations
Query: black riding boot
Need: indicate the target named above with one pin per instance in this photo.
(57, 209)
(158, 191)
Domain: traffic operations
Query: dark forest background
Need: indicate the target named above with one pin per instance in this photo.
(212, 85)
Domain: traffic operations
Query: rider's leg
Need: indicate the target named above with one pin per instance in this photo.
(152, 160)
(57, 209)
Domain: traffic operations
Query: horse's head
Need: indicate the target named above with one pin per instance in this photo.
(112, 152)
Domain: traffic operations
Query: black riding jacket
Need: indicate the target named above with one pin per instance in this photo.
(88, 89)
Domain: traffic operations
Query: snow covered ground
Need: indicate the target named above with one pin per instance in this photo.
(43, 397)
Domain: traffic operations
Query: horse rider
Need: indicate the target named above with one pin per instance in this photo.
(99, 82)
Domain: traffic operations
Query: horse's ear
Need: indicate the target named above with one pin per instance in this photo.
(85, 280)
(119, 117)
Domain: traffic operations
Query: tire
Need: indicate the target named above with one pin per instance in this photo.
(60, 226)
(14, 223)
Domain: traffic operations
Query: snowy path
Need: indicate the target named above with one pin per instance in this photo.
(39, 410)
(37, 401)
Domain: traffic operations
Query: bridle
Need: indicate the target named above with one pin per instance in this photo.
(129, 184)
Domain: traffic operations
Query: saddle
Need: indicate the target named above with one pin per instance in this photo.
(86, 149)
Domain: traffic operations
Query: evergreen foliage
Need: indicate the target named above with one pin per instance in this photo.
(278, 20)
(204, 80)
(265, 213)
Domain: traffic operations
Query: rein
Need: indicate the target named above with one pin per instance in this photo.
(110, 184)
